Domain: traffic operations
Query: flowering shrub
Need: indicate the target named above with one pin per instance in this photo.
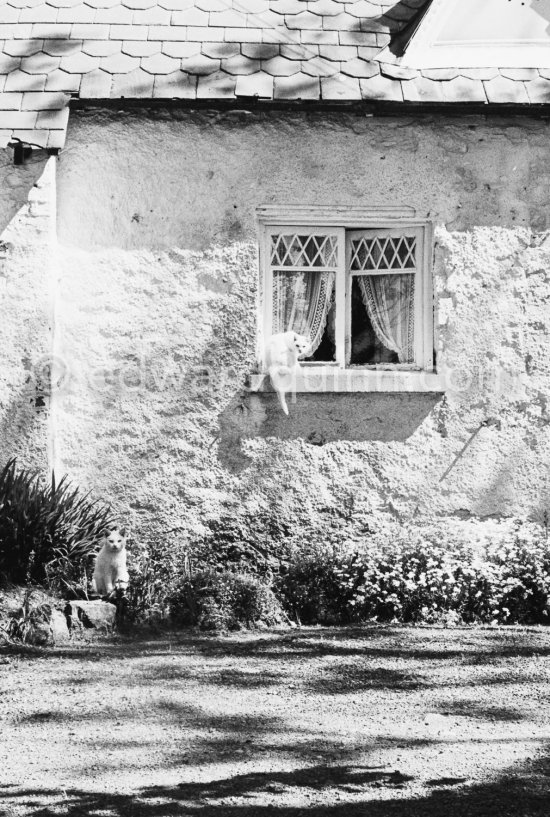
(424, 576)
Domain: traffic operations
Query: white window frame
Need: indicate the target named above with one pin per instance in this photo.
(342, 222)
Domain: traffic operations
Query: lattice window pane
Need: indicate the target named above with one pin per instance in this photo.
(383, 253)
(304, 251)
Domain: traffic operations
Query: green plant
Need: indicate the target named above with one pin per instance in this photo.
(225, 601)
(48, 530)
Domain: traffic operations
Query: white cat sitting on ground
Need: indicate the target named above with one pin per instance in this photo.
(110, 571)
(281, 361)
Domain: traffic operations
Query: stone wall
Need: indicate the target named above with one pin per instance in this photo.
(156, 320)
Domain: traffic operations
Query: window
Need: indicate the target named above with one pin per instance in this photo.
(358, 283)
(361, 293)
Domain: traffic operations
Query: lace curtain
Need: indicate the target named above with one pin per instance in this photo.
(389, 301)
(301, 302)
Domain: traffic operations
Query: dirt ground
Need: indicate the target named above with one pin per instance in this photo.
(370, 721)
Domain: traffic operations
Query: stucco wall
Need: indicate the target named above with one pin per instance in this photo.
(27, 250)
(156, 312)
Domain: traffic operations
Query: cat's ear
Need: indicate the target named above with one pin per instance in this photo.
(122, 532)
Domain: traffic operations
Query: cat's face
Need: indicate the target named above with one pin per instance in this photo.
(116, 540)
(301, 344)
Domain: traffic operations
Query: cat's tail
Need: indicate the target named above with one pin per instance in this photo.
(283, 381)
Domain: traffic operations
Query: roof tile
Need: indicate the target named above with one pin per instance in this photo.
(318, 67)
(139, 4)
(360, 68)
(117, 15)
(136, 84)
(44, 101)
(381, 88)
(23, 48)
(240, 65)
(229, 18)
(62, 81)
(86, 31)
(60, 48)
(242, 35)
(124, 32)
(8, 64)
(40, 14)
(220, 50)
(78, 14)
(20, 81)
(326, 8)
(397, 71)
(39, 64)
(298, 86)
(440, 74)
(201, 65)
(10, 102)
(538, 91)
(259, 84)
(304, 20)
(356, 38)
(136, 48)
(343, 22)
(33, 135)
(218, 85)
(189, 17)
(505, 90)
(104, 48)
(176, 5)
(200, 34)
(118, 63)
(23, 119)
(167, 33)
(178, 85)
(152, 16)
(79, 63)
(160, 64)
(340, 87)
(281, 67)
(96, 85)
(50, 31)
(181, 49)
(464, 90)
(260, 51)
(56, 120)
(519, 74)
(287, 6)
(479, 73)
(11, 14)
(362, 8)
(423, 90)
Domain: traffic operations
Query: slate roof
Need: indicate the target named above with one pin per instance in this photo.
(54, 50)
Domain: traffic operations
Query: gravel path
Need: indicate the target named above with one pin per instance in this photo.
(342, 722)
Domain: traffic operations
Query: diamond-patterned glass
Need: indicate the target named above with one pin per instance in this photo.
(384, 253)
(304, 251)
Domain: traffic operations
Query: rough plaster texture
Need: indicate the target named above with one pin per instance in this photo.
(156, 318)
(27, 248)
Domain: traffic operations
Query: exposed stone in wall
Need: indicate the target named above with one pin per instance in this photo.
(27, 248)
(156, 320)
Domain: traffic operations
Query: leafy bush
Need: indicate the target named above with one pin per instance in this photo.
(423, 577)
(48, 531)
(225, 601)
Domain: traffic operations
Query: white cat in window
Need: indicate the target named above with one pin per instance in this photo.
(281, 361)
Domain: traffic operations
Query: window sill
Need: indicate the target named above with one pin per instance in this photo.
(329, 379)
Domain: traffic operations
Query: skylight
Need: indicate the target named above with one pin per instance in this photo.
(482, 33)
